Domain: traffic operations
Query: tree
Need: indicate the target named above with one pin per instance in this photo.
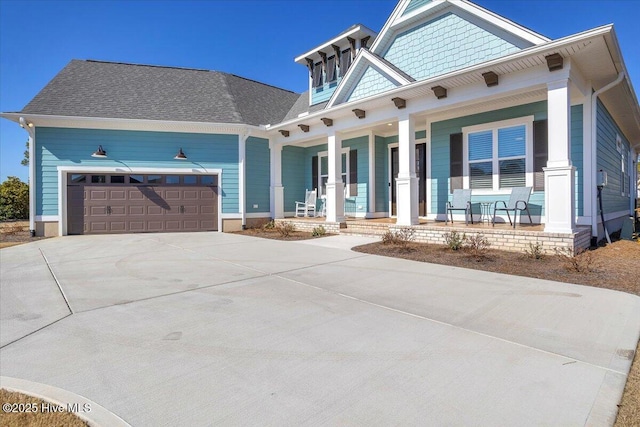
(14, 199)
(25, 161)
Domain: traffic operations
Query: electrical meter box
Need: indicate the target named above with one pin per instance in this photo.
(601, 179)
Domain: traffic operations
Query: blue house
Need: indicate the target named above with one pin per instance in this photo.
(446, 96)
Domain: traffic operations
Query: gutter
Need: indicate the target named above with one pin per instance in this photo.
(523, 54)
(28, 126)
(594, 150)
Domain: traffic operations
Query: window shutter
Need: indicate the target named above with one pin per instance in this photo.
(540, 153)
(345, 61)
(331, 69)
(353, 173)
(314, 174)
(455, 161)
(317, 75)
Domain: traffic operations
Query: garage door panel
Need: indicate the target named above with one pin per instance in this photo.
(207, 210)
(191, 195)
(97, 194)
(97, 226)
(117, 195)
(96, 211)
(135, 194)
(172, 195)
(117, 226)
(136, 226)
(118, 210)
(136, 210)
(155, 226)
(191, 210)
(140, 208)
(154, 210)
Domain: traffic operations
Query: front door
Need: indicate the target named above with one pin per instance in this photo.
(421, 173)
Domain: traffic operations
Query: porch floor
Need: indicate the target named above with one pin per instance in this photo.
(351, 222)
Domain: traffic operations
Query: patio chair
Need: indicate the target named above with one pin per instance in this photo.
(461, 201)
(519, 201)
(309, 204)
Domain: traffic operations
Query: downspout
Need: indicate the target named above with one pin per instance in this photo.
(594, 150)
(28, 126)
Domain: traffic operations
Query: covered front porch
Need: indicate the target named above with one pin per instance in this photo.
(501, 236)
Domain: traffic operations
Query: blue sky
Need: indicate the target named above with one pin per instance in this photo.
(253, 39)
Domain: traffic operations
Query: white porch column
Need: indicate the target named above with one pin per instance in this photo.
(277, 190)
(335, 186)
(407, 181)
(559, 175)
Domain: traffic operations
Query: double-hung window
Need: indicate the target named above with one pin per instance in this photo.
(320, 172)
(499, 155)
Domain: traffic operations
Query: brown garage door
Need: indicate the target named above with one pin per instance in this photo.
(102, 203)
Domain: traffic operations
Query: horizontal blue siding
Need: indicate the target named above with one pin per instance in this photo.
(440, 132)
(324, 92)
(577, 155)
(609, 160)
(73, 147)
(257, 175)
(293, 176)
(360, 203)
(382, 172)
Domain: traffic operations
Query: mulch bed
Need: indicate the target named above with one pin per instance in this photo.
(14, 233)
(616, 266)
(276, 235)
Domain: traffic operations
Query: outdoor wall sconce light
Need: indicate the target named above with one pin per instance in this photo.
(24, 123)
(180, 155)
(490, 78)
(439, 92)
(284, 133)
(359, 113)
(305, 128)
(554, 61)
(99, 153)
(327, 121)
(400, 102)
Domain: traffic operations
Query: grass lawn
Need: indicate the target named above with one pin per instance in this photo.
(30, 411)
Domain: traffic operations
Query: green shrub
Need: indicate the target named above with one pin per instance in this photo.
(454, 240)
(319, 231)
(14, 199)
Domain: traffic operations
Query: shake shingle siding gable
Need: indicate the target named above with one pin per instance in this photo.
(129, 91)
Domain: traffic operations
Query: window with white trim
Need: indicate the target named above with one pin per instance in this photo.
(320, 172)
(499, 155)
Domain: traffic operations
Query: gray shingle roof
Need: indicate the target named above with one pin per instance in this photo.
(117, 90)
(301, 106)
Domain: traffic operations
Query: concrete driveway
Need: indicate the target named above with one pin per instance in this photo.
(223, 329)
